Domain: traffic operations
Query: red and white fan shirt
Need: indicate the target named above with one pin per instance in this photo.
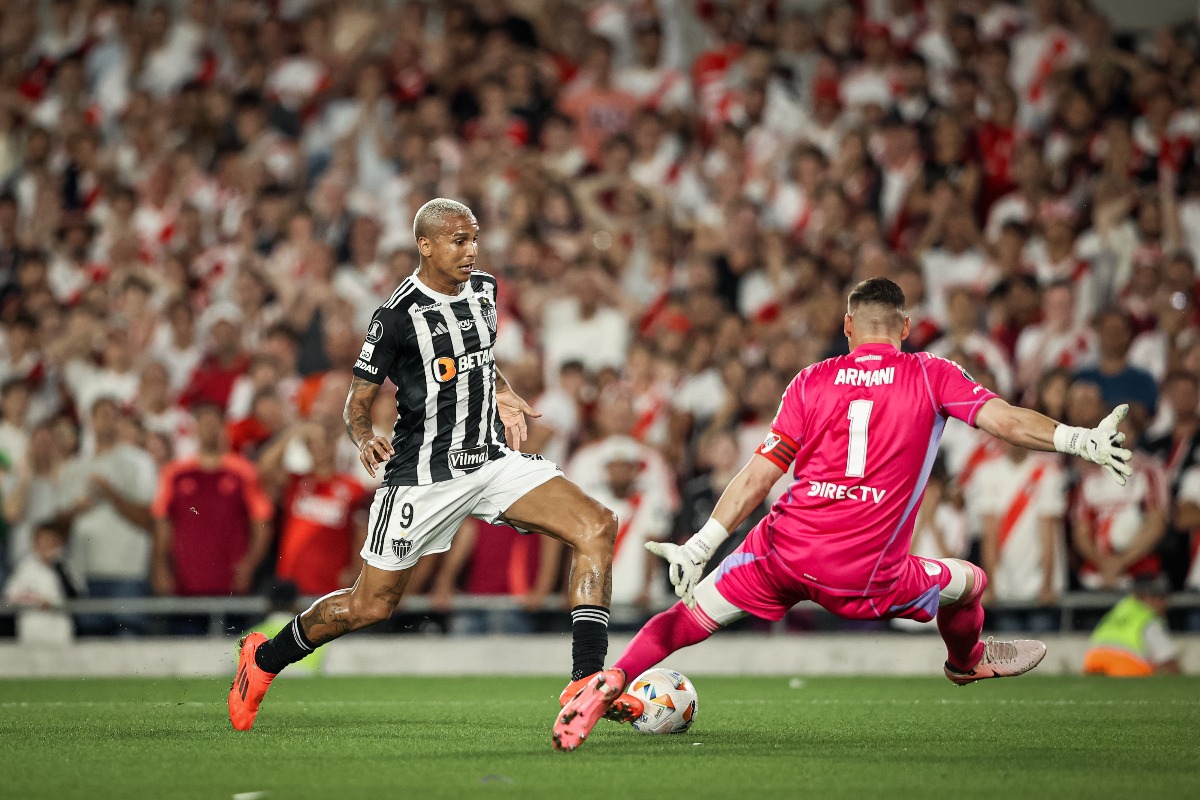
(1020, 497)
(1115, 513)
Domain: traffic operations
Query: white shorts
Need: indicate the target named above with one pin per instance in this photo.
(408, 522)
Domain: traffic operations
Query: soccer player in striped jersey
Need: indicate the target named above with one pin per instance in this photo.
(862, 430)
(454, 452)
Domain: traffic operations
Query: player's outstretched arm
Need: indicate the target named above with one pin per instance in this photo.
(372, 450)
(1024, 427)
(744, 493)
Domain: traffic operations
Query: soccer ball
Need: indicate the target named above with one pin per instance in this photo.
(670, 700)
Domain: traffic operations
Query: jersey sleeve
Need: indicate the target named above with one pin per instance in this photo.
(787, 430)
(381, 346)
(955, 393)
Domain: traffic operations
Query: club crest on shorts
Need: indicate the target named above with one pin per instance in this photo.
(401, 547)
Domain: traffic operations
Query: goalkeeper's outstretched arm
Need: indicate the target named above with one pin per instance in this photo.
(744, 493)
(1026, 428)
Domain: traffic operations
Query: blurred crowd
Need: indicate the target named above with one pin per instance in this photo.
(202, 203)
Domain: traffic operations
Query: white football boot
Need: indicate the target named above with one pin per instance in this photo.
(1001, 660)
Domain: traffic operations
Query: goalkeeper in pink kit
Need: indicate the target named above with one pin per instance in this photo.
(863, 431)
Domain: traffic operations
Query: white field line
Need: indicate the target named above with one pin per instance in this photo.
(515, 702)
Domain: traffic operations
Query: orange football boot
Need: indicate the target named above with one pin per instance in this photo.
(577, 718)
(626, 708)
(250, 684)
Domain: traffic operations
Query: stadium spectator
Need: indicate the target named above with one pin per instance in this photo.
(675, 194)
(104, 502)
(1057, 341)
(1186, 520)
(642, 516)
(39, 586)
(1116, 532)
(324, 520)
(116, 377)
(1131, 640)
(1023, 505)
(14, 411)
(963, 333)
(156, 407)
(30, 491)
(949, 250)
(212, 520)
(615, 417)
(224, 360)
(176, 344)
(599, 108)
(1160, 349)
(1120, 381)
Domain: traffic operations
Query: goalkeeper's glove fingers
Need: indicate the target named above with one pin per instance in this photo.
(684, 570)
(1100, 445)
(1103, 447)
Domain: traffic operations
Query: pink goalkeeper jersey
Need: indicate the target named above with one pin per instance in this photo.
(863, 430)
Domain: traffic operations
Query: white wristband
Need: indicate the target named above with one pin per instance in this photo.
(1068, 439)
(711, 535)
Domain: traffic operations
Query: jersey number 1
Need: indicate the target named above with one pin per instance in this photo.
(856, 457)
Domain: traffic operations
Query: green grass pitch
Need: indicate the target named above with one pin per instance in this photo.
(348, 738)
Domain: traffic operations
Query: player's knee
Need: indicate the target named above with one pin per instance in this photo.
(967, 582)
(713, 605)
(601, 530)
(367, 611)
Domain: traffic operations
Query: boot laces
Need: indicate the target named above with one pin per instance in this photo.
(996, 652)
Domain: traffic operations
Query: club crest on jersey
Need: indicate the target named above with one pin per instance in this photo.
(401, 547)
(375, 332)
(489, 313)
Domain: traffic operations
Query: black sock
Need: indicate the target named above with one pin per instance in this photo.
(589, 640)
(289, 646)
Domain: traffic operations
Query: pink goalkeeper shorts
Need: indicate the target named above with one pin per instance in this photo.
(756, 580)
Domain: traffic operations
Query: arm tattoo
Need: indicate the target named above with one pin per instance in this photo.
(501, 382)
(357, 414)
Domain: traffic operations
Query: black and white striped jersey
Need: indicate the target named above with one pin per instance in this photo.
(437, 349)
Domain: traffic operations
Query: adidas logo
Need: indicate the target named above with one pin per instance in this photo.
(440, 329)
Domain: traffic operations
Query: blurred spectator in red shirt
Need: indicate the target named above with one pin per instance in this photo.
(324, 519)
(212, 518)
(598, 108)
(223, 363)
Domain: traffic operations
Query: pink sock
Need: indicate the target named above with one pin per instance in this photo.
(961, 625)
(673, 629)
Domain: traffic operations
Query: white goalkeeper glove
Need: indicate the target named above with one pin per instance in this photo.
(687, 560)
(1099, 445)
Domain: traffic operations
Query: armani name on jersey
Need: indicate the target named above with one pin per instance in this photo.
(438, 351)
